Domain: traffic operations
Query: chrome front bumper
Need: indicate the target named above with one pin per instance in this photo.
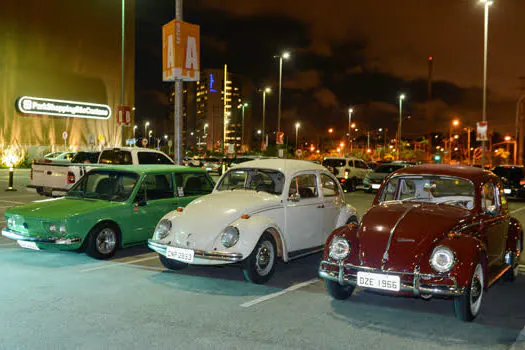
(200, 256)
(346, 274)
(54, 240)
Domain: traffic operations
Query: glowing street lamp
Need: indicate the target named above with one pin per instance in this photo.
(242, 106)
(297, 126)
(401, 99)
(487, 4)
(146, 128)
(284, 55)
(265, 91)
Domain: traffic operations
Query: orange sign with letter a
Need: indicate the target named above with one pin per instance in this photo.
(180, 51)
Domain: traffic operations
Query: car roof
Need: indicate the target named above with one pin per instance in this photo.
(346, 158)
(153, 168)
(286, 166)
(467, 172)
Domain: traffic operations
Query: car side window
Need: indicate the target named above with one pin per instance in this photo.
(157, 187)
(489, 199)
(305, 185)
(389, 191)
(360, 164)
(329, 186)
(153, 158)
(351, 163)
(193, 184)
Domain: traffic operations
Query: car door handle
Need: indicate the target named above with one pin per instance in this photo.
(320, 206)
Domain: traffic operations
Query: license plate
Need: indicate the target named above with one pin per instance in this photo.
(209, 169)
(375, 186)
(378, 281)
(180, 254)
(28, 245)
(507, 190)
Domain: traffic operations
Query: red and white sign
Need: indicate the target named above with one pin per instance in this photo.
(144, 142)
(482, 131)
(280, 138)
(124, 115)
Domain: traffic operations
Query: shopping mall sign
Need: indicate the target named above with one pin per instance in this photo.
(62, 108)
(180, 51)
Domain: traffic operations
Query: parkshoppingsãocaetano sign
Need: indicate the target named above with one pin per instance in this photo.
(62, 108)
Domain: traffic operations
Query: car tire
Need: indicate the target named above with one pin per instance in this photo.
(338, 291)
(103, 241)
(514, 271)
(468, 305)
(171, 264)
(259, 267)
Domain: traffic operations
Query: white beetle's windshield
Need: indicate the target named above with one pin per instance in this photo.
(430, 188)
(271, 181)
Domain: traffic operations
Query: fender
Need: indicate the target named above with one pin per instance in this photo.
(347, 211)
(350, 233)
(515, 231)
(251, 230)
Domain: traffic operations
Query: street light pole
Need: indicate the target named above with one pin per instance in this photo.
(123, 37)
(266, 90)
(177, 104)
(350, 111)
(487, 4)
(243, 105)
(519, 130)
(297, 125)
(146, 129)
(399, 143)
(285, 56)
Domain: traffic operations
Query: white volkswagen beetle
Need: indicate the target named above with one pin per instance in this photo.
(258, 212)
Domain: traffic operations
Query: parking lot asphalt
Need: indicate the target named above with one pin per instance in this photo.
(66, 300)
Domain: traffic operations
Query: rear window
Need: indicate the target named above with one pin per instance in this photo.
(85, 157)
(334, 162)
(387, 169)
(153, 158)
(115, 156)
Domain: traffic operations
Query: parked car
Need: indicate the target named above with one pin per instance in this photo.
(374, 179)
(258, 212)
(513, 179)
(433, 231)
(51, 178)
(107, 209)
(60, 156)
(212, 165)
(85, 157)
(349, 171)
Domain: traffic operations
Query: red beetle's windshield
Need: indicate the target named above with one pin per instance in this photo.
(431, 189)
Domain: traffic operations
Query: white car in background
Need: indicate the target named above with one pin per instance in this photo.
(259, 211)
(349, 171)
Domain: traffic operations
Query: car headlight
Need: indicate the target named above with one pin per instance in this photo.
(10, 222)
(162, 230)
(339, 248)
(230, 236)
(52, 228)
(442, 259)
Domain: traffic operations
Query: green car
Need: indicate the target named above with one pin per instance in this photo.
(109, 208)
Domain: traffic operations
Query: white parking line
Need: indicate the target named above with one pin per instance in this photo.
(516, 210)
(7, 244)
(13, 202)
(278, 294)
(111, 264)
(520, 341)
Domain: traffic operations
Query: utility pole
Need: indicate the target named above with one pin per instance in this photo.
(177, 101)
(519, 134)
(123, 39)
(429, 99)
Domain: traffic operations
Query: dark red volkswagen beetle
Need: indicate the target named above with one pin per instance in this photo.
(433, 231)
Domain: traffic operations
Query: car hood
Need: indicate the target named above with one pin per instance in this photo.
(417, 227)
(200, 223)
(59, 208)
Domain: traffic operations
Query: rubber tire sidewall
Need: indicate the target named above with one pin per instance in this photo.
(248, 265)
(171, 264)
(91, 247)
(462, 302)
(337, 291)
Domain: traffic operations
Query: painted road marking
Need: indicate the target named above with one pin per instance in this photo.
(516, 210)
(114, 263)
(278, 294)
(520, 341)
(7, 244)
(13, 202)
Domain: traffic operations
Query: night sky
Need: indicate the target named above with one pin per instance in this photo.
(350, 53)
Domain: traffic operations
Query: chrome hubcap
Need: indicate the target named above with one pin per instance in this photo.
(264, 258)
(476, 290)
(106, 241)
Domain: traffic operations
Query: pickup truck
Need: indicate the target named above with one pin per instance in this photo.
(50, 178)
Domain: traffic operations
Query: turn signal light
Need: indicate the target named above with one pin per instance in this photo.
(245, 216)
(70, 177)
(180, 209)
(522, 182)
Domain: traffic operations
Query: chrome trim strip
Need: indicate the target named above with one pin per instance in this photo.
(201, 254)
(417, 288)
(392, 231)
(18, 237)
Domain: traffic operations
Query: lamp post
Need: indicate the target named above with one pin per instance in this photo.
(284, 55)
(266, 90)
(134, 130)
(399, 143)
(454, 123)
(350, 111)
(242, 106)
(487, 4)
(297, 125)
(146, 129)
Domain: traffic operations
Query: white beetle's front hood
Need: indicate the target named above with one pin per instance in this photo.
(201, 222)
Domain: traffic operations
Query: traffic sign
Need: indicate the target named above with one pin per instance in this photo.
(299, 153)
(64, 135)
(124, 115)
(482, 131)
(280, 138)
(144, 142)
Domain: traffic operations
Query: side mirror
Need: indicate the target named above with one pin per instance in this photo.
(294, 197)
(141, 203)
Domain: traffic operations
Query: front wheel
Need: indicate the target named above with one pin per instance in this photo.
(171, 264)
(259, 267)
(338, 291)
(468, 305)
(103, 241)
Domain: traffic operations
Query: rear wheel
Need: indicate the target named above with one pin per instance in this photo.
(103, 241)
(338, 291)
(468, 305)
(259, 267)
(171, 264)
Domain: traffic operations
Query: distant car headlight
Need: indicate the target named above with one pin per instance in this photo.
(230, 236)
(162, 230)
(339, 248)
(442, 259)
